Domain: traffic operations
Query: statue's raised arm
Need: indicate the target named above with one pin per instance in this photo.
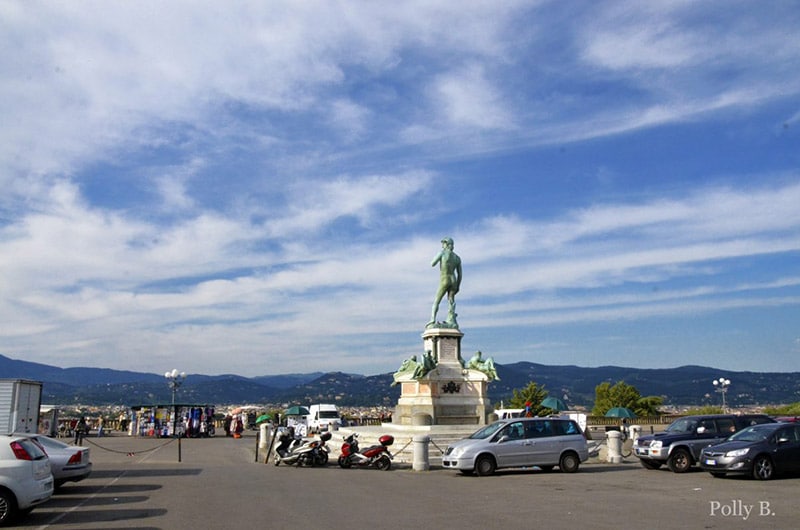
(449, 282)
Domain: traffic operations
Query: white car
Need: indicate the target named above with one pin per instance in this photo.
(25, 477)
(69, 463)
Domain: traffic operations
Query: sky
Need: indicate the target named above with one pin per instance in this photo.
(259, 187)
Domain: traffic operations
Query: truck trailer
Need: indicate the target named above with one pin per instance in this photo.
(19, 405)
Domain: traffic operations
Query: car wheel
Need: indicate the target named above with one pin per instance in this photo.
(485, 466)
(569, 463)
(763, 469)
(650, 464)
(680, 461)
(383, 463)
(8, 507)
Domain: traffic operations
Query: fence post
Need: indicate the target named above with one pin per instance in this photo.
(421, 461)
(614, 447)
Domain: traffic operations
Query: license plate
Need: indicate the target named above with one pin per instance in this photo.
(710, 462)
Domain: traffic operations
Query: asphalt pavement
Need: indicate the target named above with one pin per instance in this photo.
(139, 483)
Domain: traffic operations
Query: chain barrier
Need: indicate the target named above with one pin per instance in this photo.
(404, 447)
(128, 453)
(437, 447)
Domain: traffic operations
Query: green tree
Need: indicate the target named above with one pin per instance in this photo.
(648, 406)
(624, 395)
(533, 394)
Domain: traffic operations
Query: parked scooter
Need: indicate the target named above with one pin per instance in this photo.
(293, 449)
(375, 455)
(321, 450)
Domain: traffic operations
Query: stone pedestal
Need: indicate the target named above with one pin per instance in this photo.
(447, 395)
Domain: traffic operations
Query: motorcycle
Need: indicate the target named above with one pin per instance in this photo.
(375, 455)
(293, 449)
(321, 450)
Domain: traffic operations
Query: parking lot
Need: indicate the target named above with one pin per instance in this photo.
(138, 483)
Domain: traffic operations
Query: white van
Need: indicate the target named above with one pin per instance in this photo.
(321, 417)
(503, 414)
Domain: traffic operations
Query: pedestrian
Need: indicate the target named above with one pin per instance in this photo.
(100, 427)
(80, 429)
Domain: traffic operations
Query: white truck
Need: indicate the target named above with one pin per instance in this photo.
(19, 405)
(322, 417)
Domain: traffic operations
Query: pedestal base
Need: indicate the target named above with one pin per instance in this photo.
(447, 395)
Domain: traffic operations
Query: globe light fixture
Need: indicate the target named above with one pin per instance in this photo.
(721, 385)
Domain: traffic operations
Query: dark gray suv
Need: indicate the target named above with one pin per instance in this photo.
(680, 444)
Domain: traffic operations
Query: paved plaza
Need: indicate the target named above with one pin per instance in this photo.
(139, 483)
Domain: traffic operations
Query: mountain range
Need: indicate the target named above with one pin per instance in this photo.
(685, 385)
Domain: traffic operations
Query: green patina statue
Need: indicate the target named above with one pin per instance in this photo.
(449, 283)
(483, 365)
(413, 369)
(408, 368)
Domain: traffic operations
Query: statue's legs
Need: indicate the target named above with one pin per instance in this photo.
(451, 310)
(435, 308)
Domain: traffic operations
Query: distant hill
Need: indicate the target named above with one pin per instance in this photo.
(686, 385)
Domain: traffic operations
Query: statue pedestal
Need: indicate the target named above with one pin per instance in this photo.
(447, 395)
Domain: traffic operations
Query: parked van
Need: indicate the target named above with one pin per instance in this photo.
(321, 417)
(520, 442)
(503, 414)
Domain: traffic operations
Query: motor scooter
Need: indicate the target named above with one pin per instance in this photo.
(320, 451)
(375, 455)
(293, 449)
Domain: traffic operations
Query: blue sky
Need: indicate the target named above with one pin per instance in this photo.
(259, 187)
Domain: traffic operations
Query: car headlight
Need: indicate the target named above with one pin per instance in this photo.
(656, 445)
(458, 451)
(737, 452)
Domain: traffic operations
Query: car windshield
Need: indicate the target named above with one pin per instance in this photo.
(751, 434)
(682, 425)
(487, 431)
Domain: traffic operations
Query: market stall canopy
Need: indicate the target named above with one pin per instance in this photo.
(296, 411)
(554, 403)
(620, 412)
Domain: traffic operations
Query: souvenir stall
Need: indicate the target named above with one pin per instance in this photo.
(166, 420)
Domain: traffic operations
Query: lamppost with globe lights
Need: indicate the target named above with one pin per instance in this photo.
(721, 385)
(175, 379)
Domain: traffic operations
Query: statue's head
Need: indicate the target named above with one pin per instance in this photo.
(448, 241)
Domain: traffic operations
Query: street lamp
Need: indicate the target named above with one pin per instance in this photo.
(175, 379)
(721, 386)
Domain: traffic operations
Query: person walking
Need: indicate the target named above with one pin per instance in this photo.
(80, 430)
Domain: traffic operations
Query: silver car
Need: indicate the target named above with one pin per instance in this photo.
(25, 477)
(520, 442)
(69, 463)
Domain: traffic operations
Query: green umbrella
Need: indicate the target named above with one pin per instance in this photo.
(263, 418)
(296, 411)
(554, 403)
(620, 412)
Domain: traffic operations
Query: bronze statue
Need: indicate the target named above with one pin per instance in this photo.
(486, 366)
(449, 282)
